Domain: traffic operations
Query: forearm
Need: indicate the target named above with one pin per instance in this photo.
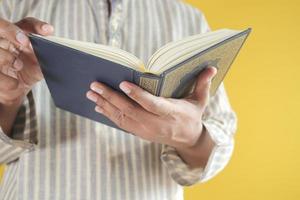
(197, 155)
(23, 129)
(8, 115)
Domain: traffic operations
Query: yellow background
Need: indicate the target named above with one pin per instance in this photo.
(263, 86)
(264, 89)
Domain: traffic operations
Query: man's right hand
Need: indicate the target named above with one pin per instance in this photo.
(19, 69)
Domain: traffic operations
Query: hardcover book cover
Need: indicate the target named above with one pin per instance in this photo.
(69, 72)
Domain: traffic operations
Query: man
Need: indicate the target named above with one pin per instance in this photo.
(53, 154)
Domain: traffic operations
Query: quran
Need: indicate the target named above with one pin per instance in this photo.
(70, 66)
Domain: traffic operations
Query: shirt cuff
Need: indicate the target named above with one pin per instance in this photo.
(184, 175)
(24, 133)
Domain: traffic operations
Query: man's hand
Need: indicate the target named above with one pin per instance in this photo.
(19, 69)
(175, 122)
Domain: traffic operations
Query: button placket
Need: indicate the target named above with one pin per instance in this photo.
(114, 24)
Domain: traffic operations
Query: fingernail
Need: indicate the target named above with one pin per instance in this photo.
(22, 38)
(18, 64)
(97, 89)
(98, 109)
(215, 71)
(91, 96)
(47, 28)
(125, 88)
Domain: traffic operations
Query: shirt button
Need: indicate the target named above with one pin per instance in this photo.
(114, 25)
(114, 42)
(119, 6)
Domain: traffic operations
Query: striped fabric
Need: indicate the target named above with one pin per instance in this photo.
(56, 155)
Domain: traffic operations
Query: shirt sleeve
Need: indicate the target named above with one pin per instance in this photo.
(220, 123)
(5, 9)
(24, 133)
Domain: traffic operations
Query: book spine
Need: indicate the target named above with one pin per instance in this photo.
(149, 82)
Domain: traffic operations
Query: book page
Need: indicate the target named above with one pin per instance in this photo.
(106, 52)
(176, 52)
(221, 57)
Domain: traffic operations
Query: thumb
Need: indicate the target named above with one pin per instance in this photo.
(201, 92)
(33, 25)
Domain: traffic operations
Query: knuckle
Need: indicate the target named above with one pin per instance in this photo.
(27, 20)
(119, 117)
(6, 57)
(99, 101)
(102, 103)
(129, 109)
(21, 23)
(155, 105)
(109, 96)
(132, 110)
(29, 23)
(5, 44)
(9, 58)
(134, 94)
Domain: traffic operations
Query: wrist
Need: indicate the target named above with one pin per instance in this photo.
(189, 139)
(198, 154)
(8, 114)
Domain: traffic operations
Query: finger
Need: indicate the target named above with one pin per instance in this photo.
(5, 44)
(117, 116)
(8, 60)
(33, 25)
(153, 104)
(127, 106)
(201, 92)
(13, 34)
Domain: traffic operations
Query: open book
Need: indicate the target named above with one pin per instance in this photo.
(70, 66)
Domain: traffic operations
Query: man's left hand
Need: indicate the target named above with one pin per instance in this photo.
(175, 122)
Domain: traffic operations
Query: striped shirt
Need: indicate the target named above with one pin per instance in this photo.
(53, 154)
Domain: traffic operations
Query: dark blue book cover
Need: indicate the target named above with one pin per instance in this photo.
(69, 72)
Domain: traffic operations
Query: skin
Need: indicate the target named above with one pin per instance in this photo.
(175, 122)
(19, 69)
